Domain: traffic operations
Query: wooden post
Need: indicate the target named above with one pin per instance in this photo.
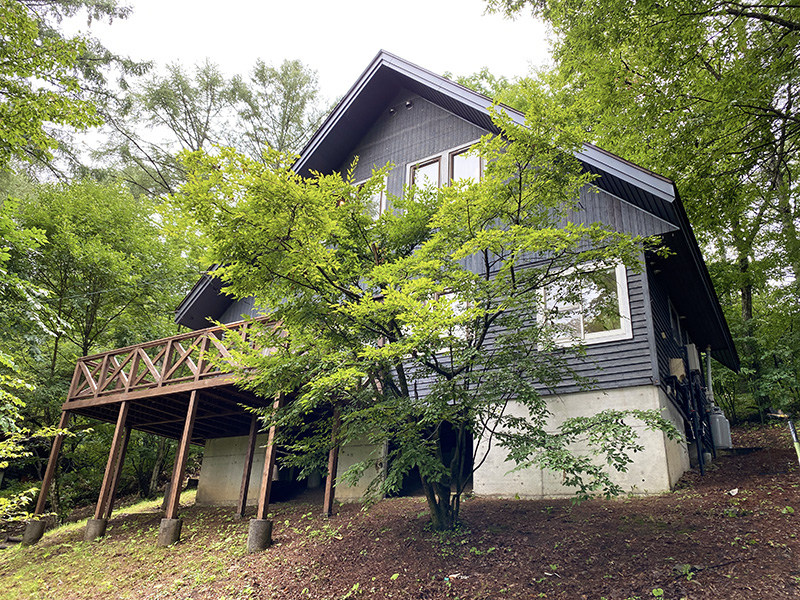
(248, 466)
(333, 465)
(269, 466)
(180, 459)
(117, 472)
(108, 477)
(51, 463)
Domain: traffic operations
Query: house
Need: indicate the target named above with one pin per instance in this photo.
(422, 123)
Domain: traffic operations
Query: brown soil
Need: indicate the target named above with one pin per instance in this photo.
(700, 541)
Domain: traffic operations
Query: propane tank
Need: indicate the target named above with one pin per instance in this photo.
(720, 428)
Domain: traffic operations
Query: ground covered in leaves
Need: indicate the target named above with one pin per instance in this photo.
(704, 540)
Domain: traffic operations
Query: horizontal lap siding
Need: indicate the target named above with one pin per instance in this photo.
(621, 363)
(609, 365)
(666, 346)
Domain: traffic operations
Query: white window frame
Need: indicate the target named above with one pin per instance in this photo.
(382, 199)
(445, 160)
(624, 332)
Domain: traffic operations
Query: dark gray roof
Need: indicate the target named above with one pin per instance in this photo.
(690, 285)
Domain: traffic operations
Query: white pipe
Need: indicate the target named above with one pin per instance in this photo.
(709, 388)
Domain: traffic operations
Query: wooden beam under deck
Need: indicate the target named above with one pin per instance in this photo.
(189, 386)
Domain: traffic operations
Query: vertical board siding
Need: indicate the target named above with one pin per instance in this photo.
(408, 135)
(238, 310)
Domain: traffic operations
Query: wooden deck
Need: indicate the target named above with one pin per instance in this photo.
(157, 379)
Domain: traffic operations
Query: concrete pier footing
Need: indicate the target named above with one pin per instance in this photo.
(259, 536)
(34, 531)
(95, 528)
(169, 531)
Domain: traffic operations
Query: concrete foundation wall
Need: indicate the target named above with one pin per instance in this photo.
(677, 454)
(653, 470)
(350, 455)
(222, 468)
(223, 465)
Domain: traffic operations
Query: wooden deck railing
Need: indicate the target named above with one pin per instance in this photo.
(182, 362)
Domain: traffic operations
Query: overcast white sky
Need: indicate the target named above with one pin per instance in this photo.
(338, 39)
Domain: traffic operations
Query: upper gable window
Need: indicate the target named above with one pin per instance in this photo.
(595, 309)
(465, 165)
(377, 202)
(427, 174)
(456, 164)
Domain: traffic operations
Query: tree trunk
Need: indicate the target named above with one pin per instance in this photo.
(157, 467)
(443, 515)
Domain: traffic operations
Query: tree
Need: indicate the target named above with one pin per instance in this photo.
(14, 436)
(37, 84)
(384, 332)
(705, 93)
(112, 276)
(277, 108)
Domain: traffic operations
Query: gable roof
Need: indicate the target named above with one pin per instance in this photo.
(687, 276)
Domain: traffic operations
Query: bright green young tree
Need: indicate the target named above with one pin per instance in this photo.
(420, 323)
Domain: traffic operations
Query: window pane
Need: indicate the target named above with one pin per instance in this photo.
(465, 166)
(427, 175)
(563, 309)
(601, 302)
(376, 204)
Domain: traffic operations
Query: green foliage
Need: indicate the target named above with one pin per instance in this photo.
(106, 264)
(105, 275)
(372, 311)
(278, 109)
(14, 289)
(195, 110)
(703, 92)
(39, 81)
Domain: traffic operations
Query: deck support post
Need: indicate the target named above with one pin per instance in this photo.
(96, 527)
(34, 530)
(170, 529)
(333, 466)
(259, 535)
(117, 473)
(248, 466)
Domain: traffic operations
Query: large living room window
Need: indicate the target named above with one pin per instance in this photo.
(593, 309)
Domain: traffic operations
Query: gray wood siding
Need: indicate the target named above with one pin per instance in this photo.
(598, 206)
(609, 365)
(245, 306)
(406, 136)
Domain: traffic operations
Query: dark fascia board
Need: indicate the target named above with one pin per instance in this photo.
(203, 302)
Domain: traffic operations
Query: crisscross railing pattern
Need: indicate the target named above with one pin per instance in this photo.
(178, 360)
